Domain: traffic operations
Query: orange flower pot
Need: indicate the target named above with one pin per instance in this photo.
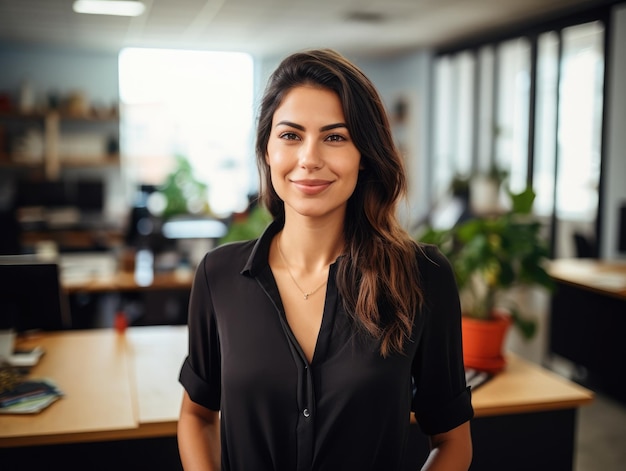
(483, 342)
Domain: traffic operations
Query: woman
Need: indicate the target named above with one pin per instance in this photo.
(310, 347)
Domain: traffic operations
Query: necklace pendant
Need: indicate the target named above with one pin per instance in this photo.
(306, 296)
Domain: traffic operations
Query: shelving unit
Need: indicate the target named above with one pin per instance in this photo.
(51, 126)
(44, 149)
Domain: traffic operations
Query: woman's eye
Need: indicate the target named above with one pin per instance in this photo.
(335, 138)
(289, 136)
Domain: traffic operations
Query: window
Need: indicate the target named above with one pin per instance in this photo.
(464, 112)
(546, 122)
(511, 126)
(454, 132)
(486, 64)
(579, 134)
(580, 119)
(193, 104)
(444, 169)
(488, 122)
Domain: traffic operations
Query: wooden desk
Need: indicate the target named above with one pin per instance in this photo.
(588, 320)
(122, 387)
(157, 354)
(96, 287)
(525, 387)
(99, 273)
(598, 276)
(92, 369)
(525, 418)
(116, 386)
(121, 281)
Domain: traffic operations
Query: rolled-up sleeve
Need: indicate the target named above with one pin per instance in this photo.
(442, 400)
(200, 374)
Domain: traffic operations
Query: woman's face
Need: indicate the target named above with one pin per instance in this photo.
(314, 165)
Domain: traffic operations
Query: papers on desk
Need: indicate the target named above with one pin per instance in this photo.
(29, 397)
(80, 266)
(25, 358)
(475, 378)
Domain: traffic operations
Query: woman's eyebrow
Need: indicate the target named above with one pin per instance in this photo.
(327, 127)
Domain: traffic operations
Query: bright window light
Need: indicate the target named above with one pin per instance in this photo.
(194, 104)
(110, 7)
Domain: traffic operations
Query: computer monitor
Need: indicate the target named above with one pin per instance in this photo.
(52, 194)
(31, 297)
(89, 195)
(86, 195)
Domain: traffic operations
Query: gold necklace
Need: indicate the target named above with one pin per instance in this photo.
(304, 293)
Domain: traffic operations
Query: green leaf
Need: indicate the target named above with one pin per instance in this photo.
(526, 327)
(522, 203)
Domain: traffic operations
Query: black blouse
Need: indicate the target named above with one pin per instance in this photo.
(349, 408)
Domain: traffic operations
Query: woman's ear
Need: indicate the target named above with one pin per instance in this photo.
(267, 159)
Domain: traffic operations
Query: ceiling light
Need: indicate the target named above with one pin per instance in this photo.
(365, 17)
(110, 7)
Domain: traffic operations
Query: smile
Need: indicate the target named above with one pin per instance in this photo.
(311, 187)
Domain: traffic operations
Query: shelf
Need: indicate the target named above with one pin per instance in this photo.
(97, 161)
(7, 161)
(74, 239)
(53, 160)
(40, 116)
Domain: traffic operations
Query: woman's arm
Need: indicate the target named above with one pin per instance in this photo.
(198, 437)
(450, 451)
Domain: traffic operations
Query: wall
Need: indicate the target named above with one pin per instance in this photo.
(615, 162)
(406, 78)
(63, 71)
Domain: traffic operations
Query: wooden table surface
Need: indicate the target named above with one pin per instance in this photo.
(120, 281)
(526, 387)
(157, 354)
(103, 272)
(92, 369)
(122, 386)
(601, 276)
(116, 386)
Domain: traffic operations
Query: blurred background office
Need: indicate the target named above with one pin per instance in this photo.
(105, 118)
(123, 135)
(127, 138)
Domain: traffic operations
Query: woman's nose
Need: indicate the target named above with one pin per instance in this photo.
(309, 155)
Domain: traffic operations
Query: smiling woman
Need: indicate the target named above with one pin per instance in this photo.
(310, 346)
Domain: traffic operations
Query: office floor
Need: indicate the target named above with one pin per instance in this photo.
(601, 427)
(601, 435)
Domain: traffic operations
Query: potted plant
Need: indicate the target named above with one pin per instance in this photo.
(490, 256)
(484, 190)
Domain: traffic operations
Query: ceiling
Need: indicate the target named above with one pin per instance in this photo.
(267, 27)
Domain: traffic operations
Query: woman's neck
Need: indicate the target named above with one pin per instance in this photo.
(311, 245)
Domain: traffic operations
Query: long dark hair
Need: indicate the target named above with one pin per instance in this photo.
(378, 277)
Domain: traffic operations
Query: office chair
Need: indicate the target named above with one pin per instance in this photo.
(584, 246)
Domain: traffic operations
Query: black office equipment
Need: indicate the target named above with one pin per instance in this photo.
(86, 195)
(89, 195)
(31, 297)
(585, 247)
(621, 231)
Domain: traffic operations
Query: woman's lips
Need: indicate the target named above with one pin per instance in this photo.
(311, 187)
